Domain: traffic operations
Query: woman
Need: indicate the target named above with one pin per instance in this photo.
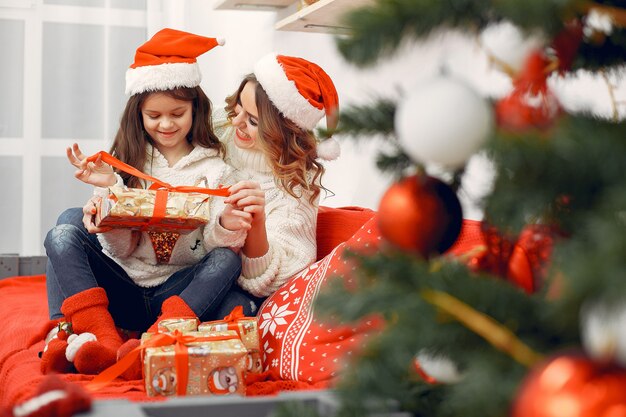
(267, 131)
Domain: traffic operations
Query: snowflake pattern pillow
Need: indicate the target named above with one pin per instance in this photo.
(296, 346)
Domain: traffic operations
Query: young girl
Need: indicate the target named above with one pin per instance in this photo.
(126, 278)
(267, 131)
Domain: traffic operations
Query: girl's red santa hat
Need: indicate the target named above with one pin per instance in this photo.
(301, 90)
(167, 61)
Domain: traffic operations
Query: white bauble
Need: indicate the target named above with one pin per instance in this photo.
(439, 367)
(443, 121)
(603, 332)
(508, 46)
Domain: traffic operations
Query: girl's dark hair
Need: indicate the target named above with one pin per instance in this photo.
(130, 141)
(290, 150)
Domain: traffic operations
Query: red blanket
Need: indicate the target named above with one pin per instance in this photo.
(24, 310)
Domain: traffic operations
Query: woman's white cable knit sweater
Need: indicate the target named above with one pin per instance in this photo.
(290, 223)
(140, 262)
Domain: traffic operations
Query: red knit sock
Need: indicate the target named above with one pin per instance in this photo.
(88, 313)
(53, 358)
(173, 308)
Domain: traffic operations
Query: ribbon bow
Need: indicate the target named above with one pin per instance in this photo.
(181, 357)
(235, 315)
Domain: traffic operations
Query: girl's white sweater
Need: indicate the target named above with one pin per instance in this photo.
(140, 262)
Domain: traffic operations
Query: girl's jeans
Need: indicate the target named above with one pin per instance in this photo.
(76, 263)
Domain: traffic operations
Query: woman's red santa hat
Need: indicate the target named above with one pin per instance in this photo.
(301, 90)
(167, 61)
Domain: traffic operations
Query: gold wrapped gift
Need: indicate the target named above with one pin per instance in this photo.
(183, 324)
(160, 210)
(248, 330)
(197, 364)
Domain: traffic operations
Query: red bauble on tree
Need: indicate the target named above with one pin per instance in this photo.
(572, 386)
(420, 214)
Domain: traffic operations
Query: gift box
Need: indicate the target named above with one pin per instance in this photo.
(137, 209)
(248, 330)
(183, 324)
(161, 208)
(195, 364)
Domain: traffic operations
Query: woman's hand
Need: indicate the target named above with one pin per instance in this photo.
(96, 173)
(250, 198)
(89, 216)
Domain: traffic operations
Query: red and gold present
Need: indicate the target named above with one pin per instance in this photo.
(153, 210)
(183, 324)
(248, 330)
(197, 364)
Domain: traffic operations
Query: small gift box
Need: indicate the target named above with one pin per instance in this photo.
(248, 330)
(183, 324)
(161, 208)
(138, 209)
(195, 364)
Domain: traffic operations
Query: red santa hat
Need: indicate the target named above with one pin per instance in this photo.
(167, 61)
(303, 93)
(300, 89)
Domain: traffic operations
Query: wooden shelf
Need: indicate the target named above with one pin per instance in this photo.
(320, 17)
(251, 5)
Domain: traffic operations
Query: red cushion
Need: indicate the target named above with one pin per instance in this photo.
(297, 346)
(336, 225)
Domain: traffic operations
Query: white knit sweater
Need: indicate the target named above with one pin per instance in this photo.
(140, 262)
(290, 223)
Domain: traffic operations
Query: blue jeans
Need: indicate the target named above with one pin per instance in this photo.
(76, 263)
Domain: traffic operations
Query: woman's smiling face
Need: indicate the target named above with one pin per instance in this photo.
(246, 120)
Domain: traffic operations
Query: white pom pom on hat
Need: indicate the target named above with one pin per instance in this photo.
(167, 61)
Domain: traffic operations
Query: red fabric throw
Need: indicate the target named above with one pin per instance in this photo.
(24, 310)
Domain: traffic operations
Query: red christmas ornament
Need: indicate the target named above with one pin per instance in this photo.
(521, 260)
(420, 214)
(531, 104)
(572, 386)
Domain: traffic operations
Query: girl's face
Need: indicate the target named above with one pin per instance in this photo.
(246, 120)
(167, 121)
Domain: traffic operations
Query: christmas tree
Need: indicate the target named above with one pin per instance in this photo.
(532, 321)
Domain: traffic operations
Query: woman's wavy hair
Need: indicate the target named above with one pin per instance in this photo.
(290, 150)
(130, 141)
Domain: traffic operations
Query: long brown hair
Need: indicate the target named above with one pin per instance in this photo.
(290, 150)
(130, 141)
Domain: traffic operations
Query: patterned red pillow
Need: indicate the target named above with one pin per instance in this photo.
(297, 346)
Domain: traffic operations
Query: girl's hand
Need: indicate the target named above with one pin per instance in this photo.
(96, 173)
(89, 216)
(250, 198)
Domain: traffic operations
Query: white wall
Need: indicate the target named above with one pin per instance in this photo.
(353, 178)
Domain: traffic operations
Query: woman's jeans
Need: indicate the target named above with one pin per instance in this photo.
(76, 263)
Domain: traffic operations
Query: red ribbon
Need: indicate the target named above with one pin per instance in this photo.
(162, 188)
(181, 358)
(232, 319)
(157, 183)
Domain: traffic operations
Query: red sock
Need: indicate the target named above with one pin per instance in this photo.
(88, 312)
(173, 308)
(53, 358)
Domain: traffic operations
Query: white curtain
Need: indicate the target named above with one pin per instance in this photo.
(62, 81)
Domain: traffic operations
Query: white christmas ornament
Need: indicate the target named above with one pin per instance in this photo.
(603, 332)
(507, 46)
(443, 121)
(439, 367)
